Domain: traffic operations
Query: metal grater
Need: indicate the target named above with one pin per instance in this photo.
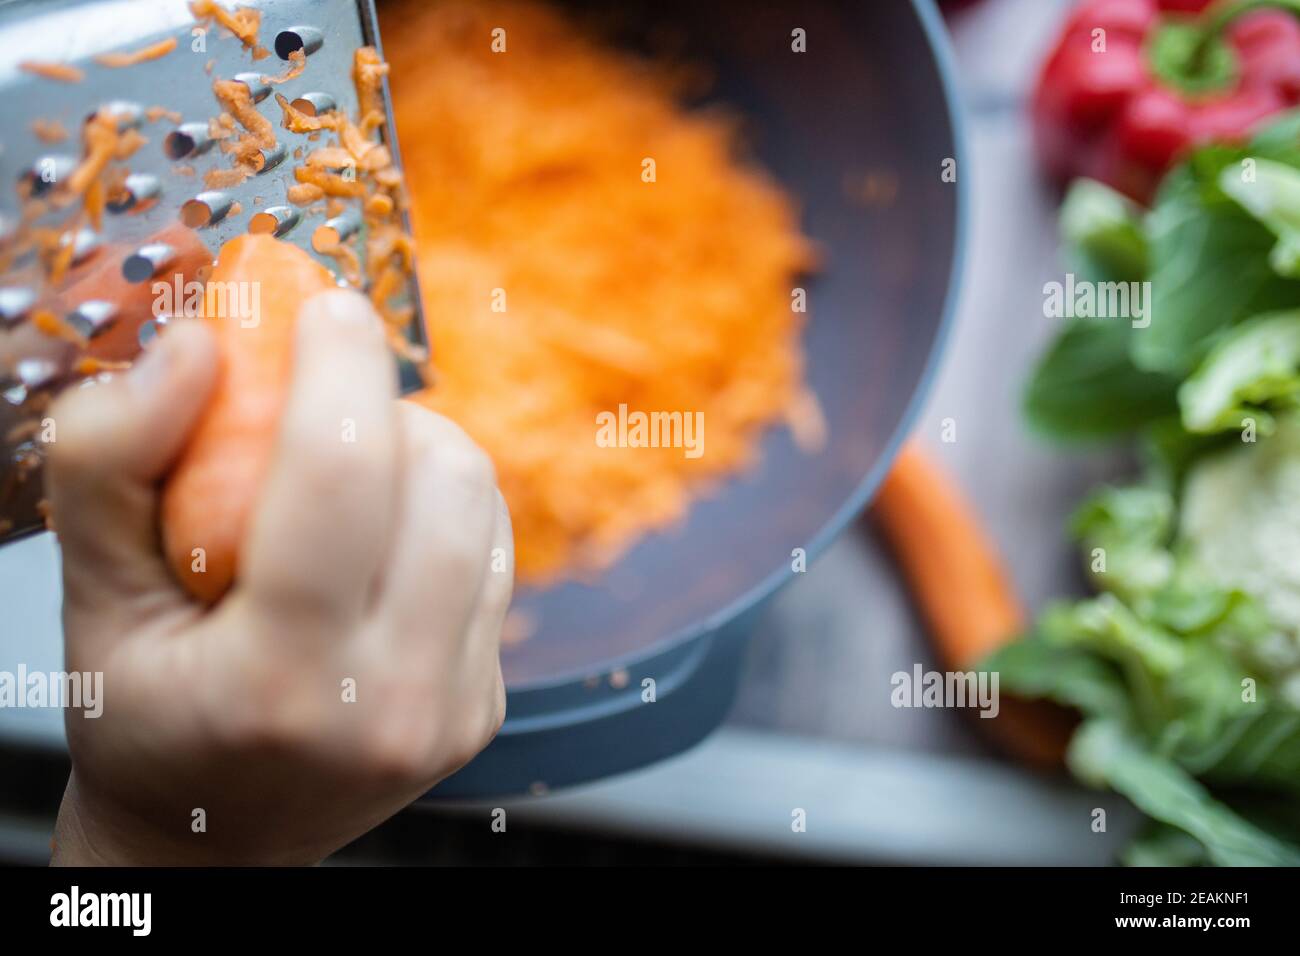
(161, 218)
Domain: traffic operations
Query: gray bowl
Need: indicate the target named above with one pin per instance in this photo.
(871, 99)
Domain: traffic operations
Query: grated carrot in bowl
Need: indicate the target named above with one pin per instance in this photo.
(558, 283)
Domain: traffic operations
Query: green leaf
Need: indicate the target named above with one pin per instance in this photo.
(1103, 231)
(1162, 845)
(1210, 265)
(1210, 270)
(1255, 363)
(1132, 527)
(1137, 514)
(1107, 626)
(1279, 140)
(1169, 450)
(1086, 386)
(1033, 668)
(1270, 192)
(1105, 754)
(1261, 750)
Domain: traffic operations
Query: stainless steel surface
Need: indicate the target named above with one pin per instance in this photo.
(93, 317)
(169, 101)
(76, 31)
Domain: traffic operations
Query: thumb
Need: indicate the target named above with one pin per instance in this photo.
(111, 444)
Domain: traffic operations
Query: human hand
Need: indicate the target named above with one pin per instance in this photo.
(354, 663)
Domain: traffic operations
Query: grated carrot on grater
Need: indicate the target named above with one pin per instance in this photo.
(155, 51)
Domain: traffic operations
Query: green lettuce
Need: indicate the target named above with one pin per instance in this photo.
(1218, 248)
(1270, 191)
(1185, 663)
(1253, 369)
(1176, 676)
(1086, 386)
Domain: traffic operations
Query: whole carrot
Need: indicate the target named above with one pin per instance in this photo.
(953, 570)
(962, 591)
(251, 303)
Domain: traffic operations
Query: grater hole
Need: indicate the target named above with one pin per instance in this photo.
(149, 330)
(258, 88)
(195, 213)
(37, 373)
(313, 104)
(93, 318)
(325, 237)
(270, 158)
(46, 173)
(205, 209)
(331, 232)
(290, 41)
(85, 243)
(178, 144)
(185, 141)
(147, 261)
(275, 221)
(125, 114)
(138, 192)
(15, 305)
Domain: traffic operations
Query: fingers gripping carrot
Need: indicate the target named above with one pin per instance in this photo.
(251, 303)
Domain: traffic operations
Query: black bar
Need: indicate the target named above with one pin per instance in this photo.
(439, 906)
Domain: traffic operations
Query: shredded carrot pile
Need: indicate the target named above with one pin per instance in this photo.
(526, 176)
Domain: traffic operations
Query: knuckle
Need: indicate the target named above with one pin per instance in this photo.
(457, 456)
(272, 714)
(466, 747)
(475, 735)
(498, 710)
(468, 466)
(281, 591)
(463, 559)
(453, 451)
(396, 750)
(420, 430)
(400, 736)
(495, 602)
(279, 727)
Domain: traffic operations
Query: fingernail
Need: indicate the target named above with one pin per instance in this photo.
(346, 308)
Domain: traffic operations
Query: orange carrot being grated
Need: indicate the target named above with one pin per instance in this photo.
(209, 496)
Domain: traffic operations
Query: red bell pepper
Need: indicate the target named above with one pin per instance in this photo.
(1131, 85)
